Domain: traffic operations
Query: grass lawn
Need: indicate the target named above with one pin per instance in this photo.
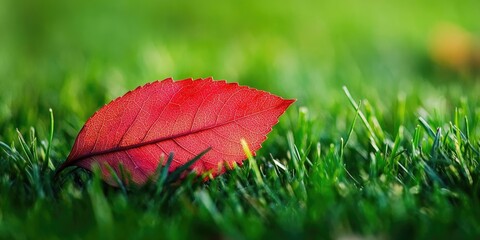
(383, 141)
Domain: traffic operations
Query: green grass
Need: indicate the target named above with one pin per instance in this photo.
(393, 154)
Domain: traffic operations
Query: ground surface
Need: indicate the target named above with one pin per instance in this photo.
(404, 165)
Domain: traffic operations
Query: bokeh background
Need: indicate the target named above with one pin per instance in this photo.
(75, 56)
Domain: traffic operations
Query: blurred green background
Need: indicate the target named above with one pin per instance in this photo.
(75, 56)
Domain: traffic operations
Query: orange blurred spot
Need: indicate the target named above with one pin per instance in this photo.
(453, 47)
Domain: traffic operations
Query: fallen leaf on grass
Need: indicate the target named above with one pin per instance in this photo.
(185, 117)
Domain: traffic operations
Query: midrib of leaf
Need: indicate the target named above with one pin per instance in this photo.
(141, 144)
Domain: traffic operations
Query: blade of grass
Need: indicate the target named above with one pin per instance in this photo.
(175, 175)
(375, 140)
(252, 162)
(50, 140)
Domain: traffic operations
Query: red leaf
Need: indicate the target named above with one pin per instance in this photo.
(184, 117)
